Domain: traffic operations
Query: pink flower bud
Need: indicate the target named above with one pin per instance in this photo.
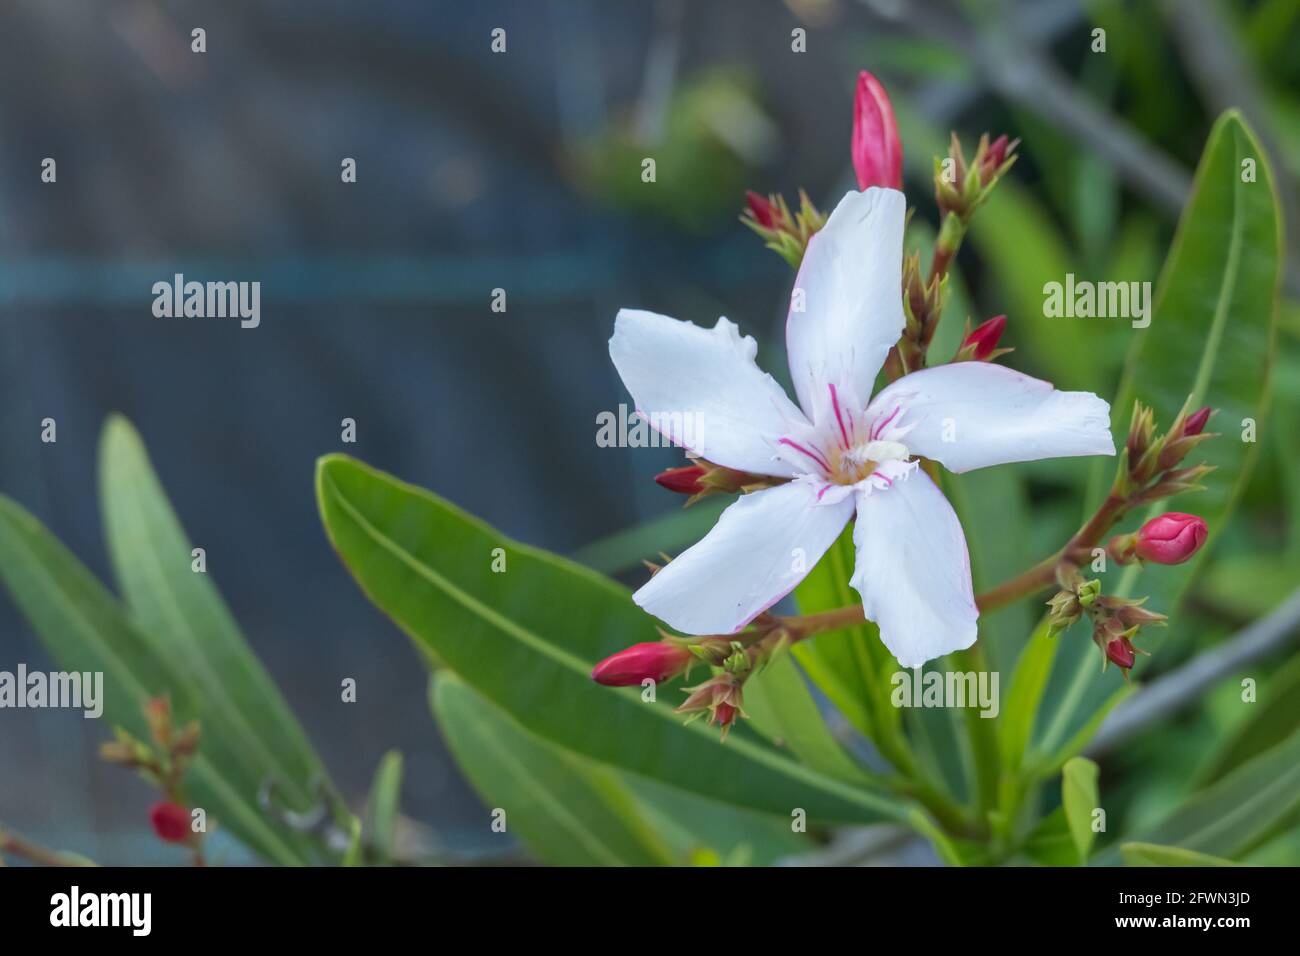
(170, 821)
(656, 660)
(994, 158)
(877, 152)
(998, 151)
(1120, 652)
(1171, 538)
(1195, 423)
(684, 480)
(984, 339)
(765, 214)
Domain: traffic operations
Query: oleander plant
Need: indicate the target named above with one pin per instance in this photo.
(925, 598)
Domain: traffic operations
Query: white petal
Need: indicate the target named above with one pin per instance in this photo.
(762, 546)
(850, 291)
(913, 570)
(971, 415)
(703, 385)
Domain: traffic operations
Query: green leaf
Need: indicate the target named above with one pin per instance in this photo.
(527, 638)
(1080, 799)
(1211, 335)
(692, 825)
(1227, 817)
(1150, 854)
(383, 806)
(781, 708)
(1051, 843)
(85, 629)
(1214, 326)
(355, 853)
(569, 811)
(1028, 681)
(187, 623)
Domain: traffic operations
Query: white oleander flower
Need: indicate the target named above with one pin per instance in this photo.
(844, 455)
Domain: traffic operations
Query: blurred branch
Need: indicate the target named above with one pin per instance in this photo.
(1181, 687)
(1013, 65)
(14, 845)
(1213, 60)
(660, 73)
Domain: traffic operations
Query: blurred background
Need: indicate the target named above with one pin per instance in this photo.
(522, 171)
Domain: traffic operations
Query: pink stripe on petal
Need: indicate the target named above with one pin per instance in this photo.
(804, 451)
(835, 403)
(881, 426)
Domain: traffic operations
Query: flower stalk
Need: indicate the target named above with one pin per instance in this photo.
(163, 763)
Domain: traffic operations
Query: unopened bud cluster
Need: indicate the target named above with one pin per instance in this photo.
(1149, 467)
(163, 762)
(960, 187)
(1115, 621)
(784, 232)
(732, 660)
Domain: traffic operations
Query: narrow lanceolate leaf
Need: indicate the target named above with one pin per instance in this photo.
(692, 825)
(1080, 799)
(1211, 336)
(85, 629)
(186, 622)
(569, 811)
(782, 709)
(382, 807)
(1230, 816)
(1149, 854)
(1028, 681)
(524, 627)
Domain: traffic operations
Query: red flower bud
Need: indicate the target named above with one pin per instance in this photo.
(984, 339)
(1195, 423)
(656, 660)
(724, 715)
(1171, 538)
(170, 821)
(684, 480)
(877, 152)
(1120, 652)
(765, 214)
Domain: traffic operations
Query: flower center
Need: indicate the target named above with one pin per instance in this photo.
(852, 465)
